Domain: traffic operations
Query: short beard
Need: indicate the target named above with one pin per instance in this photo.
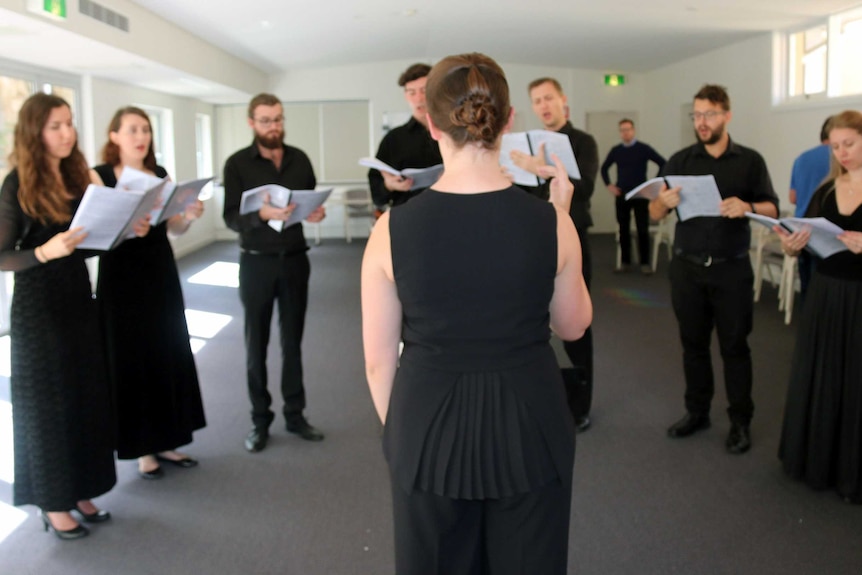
(272, 143)
(713, 139)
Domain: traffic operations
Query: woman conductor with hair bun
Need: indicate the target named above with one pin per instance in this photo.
(472, 275)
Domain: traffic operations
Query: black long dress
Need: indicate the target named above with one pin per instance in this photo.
(151, 366)
(821, 439)
(61, 408)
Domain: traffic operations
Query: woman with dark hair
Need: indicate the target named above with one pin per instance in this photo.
(141, 308)
(821, 441)
(473, 274)
(61, 409)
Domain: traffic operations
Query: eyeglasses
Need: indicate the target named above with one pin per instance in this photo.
(708, 116)
(266, 122)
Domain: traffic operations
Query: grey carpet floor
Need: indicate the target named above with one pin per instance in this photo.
(643, 504)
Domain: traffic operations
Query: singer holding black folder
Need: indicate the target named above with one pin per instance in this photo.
(61, 408)
(152, 370)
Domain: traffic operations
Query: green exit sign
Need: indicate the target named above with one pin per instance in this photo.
(614, 79)
(51, 8)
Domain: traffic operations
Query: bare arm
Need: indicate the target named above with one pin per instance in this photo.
(381, 316)
(571, 307)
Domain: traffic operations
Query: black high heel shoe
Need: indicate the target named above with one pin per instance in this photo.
(185, 462)
(99, 516)
(67, 535)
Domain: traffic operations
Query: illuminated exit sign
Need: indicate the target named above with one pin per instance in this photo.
(51, 8)
(614, 79)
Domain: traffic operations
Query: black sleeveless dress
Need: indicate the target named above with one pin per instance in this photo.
(61, 407)
(478, 408)
(151, 366)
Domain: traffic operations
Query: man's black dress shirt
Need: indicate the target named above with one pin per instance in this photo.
(739, 172)
(407, 146)
(248, 169)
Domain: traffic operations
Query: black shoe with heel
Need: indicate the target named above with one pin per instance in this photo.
(184, 462)
(75, 533)
(99, 516)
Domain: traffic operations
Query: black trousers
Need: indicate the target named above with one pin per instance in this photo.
(579, 379)
(641, 209)
(521, 535)
(718, 296)
(264, 280)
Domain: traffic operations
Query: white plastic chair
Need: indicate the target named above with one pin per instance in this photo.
(357, 205)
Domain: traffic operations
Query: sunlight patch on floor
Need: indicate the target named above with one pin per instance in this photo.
(225, 274)
(205, 324)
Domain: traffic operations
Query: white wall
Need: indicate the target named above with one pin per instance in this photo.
(158, 40)
(745, 69)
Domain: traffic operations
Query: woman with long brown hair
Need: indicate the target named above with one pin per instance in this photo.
(821, 441)
(61, 408)
(141, 310)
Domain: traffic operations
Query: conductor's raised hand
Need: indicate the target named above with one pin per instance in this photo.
(61, 245)
(561, 189)
(532, 164)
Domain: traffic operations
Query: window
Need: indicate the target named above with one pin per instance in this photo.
(807, 52)
(204, 152)
(162, 120)
(17, 83)
(822, 61)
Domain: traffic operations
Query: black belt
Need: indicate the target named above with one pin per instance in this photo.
(706, 260)
(271, 254)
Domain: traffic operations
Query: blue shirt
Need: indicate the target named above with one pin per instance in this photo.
(809, 171)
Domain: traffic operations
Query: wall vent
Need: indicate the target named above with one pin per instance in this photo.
(103, 14)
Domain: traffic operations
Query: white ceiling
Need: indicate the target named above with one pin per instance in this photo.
(277, 35)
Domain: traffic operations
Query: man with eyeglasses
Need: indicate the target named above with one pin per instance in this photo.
(407, 146)
(273, 266)
(710, 274)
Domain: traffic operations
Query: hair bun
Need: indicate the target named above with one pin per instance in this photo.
(477, 114)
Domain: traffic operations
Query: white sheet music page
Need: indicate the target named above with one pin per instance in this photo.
(699, 196)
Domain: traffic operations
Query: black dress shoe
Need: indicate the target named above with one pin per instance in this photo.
(67, 535)
(156, 473)
(688, 425)
(739, 439)
(299, 426)
(99, 516)
(184, 462)
(582, 423)
(256, 440)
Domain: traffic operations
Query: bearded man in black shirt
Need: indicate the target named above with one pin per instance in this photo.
(710, 274)
(273, 266)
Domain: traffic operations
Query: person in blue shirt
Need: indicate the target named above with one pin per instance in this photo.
(632, 158)
(810, 168)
